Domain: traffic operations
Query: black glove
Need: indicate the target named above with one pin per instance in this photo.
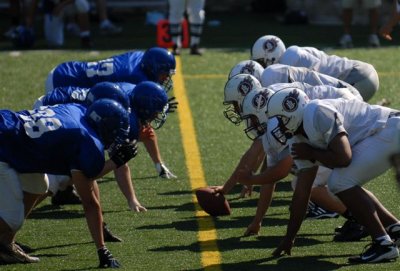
(106, 259)
(122, 153)
(172, 105)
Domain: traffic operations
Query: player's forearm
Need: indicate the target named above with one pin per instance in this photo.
(264, 202)
(124, 181)
(300, 200)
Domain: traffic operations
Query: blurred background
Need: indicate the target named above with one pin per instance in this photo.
(228, 23)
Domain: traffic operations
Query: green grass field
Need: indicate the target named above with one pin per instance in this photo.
(166, 237)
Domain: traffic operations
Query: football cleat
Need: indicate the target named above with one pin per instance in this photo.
(68, 196)
(317, 212)
(377, 252)
(349, 232)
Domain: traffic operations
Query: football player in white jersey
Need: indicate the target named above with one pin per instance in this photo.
(269, 49)
(356, 140)
(279, 162)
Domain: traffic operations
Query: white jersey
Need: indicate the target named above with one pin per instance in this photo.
(275, 143)
(314, 59)
(279, 73)
(324, 119)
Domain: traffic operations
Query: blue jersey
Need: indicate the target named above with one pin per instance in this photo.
(63, 95)
(54, 139)
(120, 68)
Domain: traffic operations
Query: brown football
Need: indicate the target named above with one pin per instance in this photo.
(213, 204)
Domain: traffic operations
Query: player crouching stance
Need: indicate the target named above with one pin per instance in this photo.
(356, 140)
(63, 139)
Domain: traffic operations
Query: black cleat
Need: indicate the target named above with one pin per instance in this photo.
(350, 231)
(68, 196)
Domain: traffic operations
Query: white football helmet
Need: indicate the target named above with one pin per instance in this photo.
(254, 112)
(235, 89)
(248, 67)
(288, 106)
(267, 50)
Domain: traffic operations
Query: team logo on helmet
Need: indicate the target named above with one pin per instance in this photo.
(260, 99)
(249, 68)
(245, 86)
(270, 44)
(291, 102)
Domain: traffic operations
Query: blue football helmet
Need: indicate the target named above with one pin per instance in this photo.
(150, 103)
(23, 37)
(110, 120)
(107, 90)
(159, 65)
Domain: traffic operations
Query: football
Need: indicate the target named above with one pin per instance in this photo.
(213, 204)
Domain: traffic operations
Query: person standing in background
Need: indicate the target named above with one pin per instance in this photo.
(347, 16)
(387, 29)
(196, 15)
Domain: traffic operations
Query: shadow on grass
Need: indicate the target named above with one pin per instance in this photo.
(309, 263)
(55, 212)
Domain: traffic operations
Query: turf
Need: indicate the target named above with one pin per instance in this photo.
(165, 237)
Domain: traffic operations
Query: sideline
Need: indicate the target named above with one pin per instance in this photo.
(207, 235)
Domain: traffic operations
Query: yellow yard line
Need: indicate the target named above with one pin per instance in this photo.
(207, 235)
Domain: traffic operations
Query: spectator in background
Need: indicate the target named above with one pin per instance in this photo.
(387, 29)
(347, 16)
(54, 15)
(105, 25)
(15, 8)
(196, 15)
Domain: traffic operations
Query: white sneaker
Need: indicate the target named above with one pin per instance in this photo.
(346, 41)
(164, 172)
(373, 40)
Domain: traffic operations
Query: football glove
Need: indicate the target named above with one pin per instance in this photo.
(164, 172)
(122, 153)
(172, 105)
(106, 259)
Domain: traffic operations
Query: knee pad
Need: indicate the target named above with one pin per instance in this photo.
(82, 6)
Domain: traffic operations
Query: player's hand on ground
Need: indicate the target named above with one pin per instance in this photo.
(106, 259)
(135, 206)
(285, 247)
(252, 229)
(246, 191)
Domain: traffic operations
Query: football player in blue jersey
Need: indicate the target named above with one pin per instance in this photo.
(130, 95)
(155, 64)
(67, 139)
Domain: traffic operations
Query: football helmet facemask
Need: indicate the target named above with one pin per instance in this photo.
(288, 106)
(254, 108)
(159, 65)
(150, 103)
(235, 90)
